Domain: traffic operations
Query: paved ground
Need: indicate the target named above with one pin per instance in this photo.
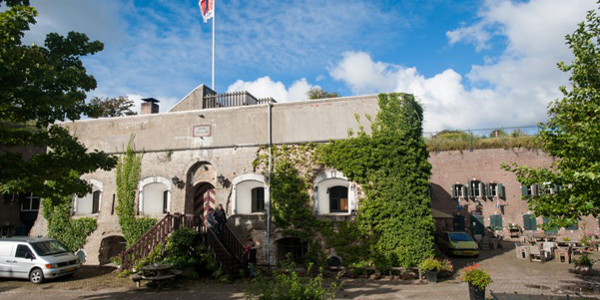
(509, 275)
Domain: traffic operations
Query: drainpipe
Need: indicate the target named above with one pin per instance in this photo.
(270, 168)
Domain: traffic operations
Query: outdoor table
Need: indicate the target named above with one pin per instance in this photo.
(158, 273)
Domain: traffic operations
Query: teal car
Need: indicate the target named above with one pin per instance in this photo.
(457, 243)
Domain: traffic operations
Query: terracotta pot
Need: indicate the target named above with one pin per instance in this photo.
(476, 293)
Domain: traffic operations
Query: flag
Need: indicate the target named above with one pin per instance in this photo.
(207, 8)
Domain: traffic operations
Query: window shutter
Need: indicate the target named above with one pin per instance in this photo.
(535, 190)
(471, 189)
(500, 190)
(524, 192)
(526, 222)
(481, 190)
(464, 191)
(454, 191)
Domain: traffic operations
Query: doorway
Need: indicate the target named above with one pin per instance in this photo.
(204, 198)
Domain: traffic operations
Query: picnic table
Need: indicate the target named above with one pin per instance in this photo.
(156, 273)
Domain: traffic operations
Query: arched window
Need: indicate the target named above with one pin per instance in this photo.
(258, 199)
(338, 199)
(249, 194)
(90, 203)
(155, 198)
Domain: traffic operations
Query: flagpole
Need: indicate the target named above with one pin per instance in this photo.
(214, 16)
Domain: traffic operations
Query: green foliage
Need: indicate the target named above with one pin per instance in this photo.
(584, 260)
(71, 232)
(572, 136)
(40, 85)
(155, 256)
(464, 141)
(111, 107)
(318, 93)
(288, 285)
(477, 277)
(129, 167)
(392, 167)
(431, 264)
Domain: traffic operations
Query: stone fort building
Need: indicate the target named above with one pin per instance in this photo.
(200, 154)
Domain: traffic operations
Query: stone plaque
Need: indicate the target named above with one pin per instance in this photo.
(201, 130)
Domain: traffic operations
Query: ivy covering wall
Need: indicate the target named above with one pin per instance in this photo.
(391, 165)
(129, 168)
(71, 232)
(394, 224)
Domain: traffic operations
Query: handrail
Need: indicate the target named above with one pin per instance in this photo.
(221, 254)
(147, 242)
(237, 247)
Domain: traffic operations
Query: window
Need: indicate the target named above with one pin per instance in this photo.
(155, 198)
(22, 252)
(573, 226)
(476, 189)
(258, 199)
(30, 202)
(90, 203)
(496, 222)
(338, 199)
(165, 202)
(96, 202)
(529, 222)
(458, 191)
(495, 190)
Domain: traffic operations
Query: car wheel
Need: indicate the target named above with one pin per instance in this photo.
(36, 276)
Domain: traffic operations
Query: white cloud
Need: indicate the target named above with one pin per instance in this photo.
(511, 89)
(265, 87)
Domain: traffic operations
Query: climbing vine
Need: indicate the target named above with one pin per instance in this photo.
(71, 232)
(394, 224)
(294, 169)
(391, 165)
(129, 168)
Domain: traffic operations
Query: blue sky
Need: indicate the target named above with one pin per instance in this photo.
(473, 64)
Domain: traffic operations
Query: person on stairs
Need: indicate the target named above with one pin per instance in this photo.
(221, 218)
(212, 222)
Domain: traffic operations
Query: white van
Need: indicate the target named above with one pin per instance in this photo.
(36, 259)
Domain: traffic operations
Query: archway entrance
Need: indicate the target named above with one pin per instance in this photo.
(110, 247)
(294, 247)
(204, 198)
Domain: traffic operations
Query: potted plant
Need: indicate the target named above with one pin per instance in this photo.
(431, 266)
(478, 280)
(583, 265)
(446, 268)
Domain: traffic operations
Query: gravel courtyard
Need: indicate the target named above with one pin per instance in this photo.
(509, 274)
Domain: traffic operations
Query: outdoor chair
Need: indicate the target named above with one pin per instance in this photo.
(486, 243)
(548, 248)
(536, 254)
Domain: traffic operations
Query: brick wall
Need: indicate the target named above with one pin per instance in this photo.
(459, 167)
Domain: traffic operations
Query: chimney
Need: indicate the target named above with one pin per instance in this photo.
(149, 106)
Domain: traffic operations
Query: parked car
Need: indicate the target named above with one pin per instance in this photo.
(457, 243)
(36, 259)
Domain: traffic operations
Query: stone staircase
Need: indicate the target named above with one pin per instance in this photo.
(227, 250)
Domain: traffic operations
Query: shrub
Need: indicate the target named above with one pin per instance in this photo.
(475, 276)
(288, 285)
(584, 260)
(431, 264)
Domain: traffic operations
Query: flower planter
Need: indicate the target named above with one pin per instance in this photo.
(431, 276)
(476, 293)
(583, 270)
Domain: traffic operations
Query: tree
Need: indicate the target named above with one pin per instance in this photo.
(111, 107)
(569, 189)
(40, 85)
(318, 93)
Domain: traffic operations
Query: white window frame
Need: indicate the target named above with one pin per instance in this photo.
(150, 180)
(99, 187)
(235, 194)
(318, 187)
(30, 197)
